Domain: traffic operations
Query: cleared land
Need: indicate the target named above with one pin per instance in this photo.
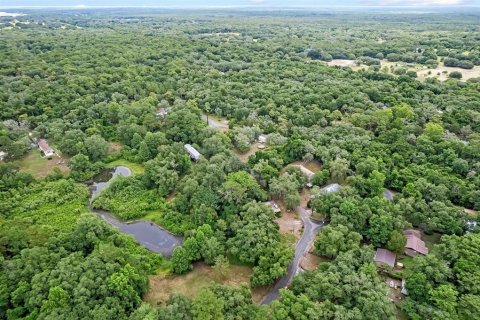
(39, 167)
(135, 167)
(441, 73)
(202, 275)
(244, 156)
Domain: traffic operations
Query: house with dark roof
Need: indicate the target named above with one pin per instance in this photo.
(385, 257)
(415, 245)
(45, 148)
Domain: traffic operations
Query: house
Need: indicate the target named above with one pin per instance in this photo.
(194, 154)
(415, 245)
(162, 112)
(45, 148)
(385, 257)
(262, 138)
(272, 204)
(334, 187)
(3, 154)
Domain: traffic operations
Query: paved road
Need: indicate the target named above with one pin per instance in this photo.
(310, 230)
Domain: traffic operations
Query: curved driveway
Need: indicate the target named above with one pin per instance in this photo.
(310, 230)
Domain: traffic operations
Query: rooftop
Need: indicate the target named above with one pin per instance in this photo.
(192, 151)
(43, 145)
(385, 256)
(414, 241)
(334, 187)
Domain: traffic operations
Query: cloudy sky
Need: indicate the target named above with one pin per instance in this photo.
(4, 3)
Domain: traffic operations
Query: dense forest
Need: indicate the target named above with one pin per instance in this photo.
(132, 88)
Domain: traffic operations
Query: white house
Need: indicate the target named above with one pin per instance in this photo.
(194, 154)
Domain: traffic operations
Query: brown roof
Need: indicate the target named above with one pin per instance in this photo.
(415, 242)
(42, 144)
(385, 256)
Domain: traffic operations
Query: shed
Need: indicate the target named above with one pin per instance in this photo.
(385, 257)
(309, 173)
(162, 112)
(334, 187)
(415, 245)
(262, 138)
(274, 206)
(45, 148)
(388, 194)
(3, 154)
(194, 154)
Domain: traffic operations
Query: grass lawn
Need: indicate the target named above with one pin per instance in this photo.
(202, 275)
(39, 167)
(135, 167)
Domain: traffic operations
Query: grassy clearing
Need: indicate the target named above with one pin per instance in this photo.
(39, 167)
(161, 286)
(135, 167)
(244, 156)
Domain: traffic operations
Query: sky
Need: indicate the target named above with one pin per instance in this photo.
(221, 3)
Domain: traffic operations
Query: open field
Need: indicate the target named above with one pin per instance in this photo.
(135, 167)
(289, 223)
(423, 72)
(202, 275)
(442, 72)
(39, 167)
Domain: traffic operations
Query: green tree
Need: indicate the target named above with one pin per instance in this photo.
(207, 306)
(180, 261)
(397, 242)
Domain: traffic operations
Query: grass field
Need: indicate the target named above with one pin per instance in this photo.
(161, 286)
(135, 167)
(39, 167)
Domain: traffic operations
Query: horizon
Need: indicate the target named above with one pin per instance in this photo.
(261, 4)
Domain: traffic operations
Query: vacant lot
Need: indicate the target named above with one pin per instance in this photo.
(161, 286)
(135, 167)
(441, 73)
(39, 167)
(244, 156)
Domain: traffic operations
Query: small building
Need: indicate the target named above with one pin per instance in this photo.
(334, 187)
(309, 173)
(415, 245)
(262, 138)
(272, 204)
(385, 257)
(45, 148)
(3, 155)
(404, 288)
(389, 195)
(162, 112)
(194, 154)
(470, 224)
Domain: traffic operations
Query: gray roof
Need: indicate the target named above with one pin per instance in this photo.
(192, 151)
(334, 187)
(385, 256)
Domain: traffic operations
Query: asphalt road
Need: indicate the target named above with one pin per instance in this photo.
(310, 230)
